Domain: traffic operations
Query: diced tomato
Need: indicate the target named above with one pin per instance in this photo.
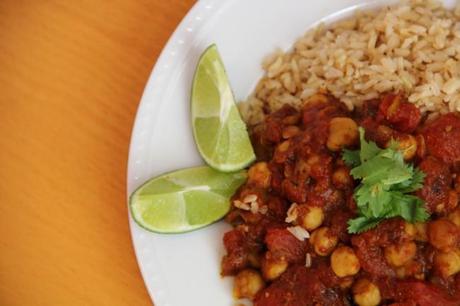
(371, 258)
(339, 219)
(442, 138)
(402, 115)
(236, 258)
(424, 294)
(277, 207)
(435, 190)
(233, 240)
(295, 193)
(281, 243)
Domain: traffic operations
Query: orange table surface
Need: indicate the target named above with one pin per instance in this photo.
(71, 76)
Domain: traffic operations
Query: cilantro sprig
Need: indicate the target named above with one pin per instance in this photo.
(385, 187)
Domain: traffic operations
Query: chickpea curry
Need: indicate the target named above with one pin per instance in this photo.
(291, 246)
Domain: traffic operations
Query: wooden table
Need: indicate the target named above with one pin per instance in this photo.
(71, 76)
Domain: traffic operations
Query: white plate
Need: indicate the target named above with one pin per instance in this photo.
(184, 269)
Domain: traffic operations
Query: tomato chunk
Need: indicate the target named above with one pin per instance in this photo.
(435, 190)
(402, 115)
(424, 294)
(442, 138)
(281, 243)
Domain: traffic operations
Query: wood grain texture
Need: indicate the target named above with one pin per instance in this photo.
(71, 76)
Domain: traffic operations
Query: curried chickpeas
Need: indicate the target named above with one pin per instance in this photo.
(398, 255)
(341, 178)
(312, 218)
(366, 293)
(344, 262)
(454, 217)
(448, 263)
(443, 234)
(260, 175)
(247, 284)
(272, 269)
(324, 241)
(343, 132)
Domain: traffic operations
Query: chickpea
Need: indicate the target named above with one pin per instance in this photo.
(447, 263)
(421, 147)
(398, 255)
(343, 132)
(290, 131)
(281, 152)
(312, 218)
(410, 269)
(366, 293)
(410, 230)
(324, 241)
(272, 268)
(260, 175)
(448, 205)
(318, 98)
(443, 234)
(292, 119)
(454, 217)
(421, 231)
(247, 284)
(341, 178)
(344, 262)
(407, 145)
(284, 146)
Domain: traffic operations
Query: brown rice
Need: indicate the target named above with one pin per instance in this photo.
(412, 47)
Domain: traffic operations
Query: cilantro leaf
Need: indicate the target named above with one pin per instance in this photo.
(362, 224)
(372, 200)
(409, 207)
(368, 149)
(351, 158)
(385, 187)
(411, 185)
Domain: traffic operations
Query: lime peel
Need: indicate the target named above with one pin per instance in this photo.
(184, 200)
(220, 133)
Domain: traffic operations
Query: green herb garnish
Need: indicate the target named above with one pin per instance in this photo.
(386, 184)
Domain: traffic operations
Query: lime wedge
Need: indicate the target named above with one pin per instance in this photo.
(219, 131)
(184, 200)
